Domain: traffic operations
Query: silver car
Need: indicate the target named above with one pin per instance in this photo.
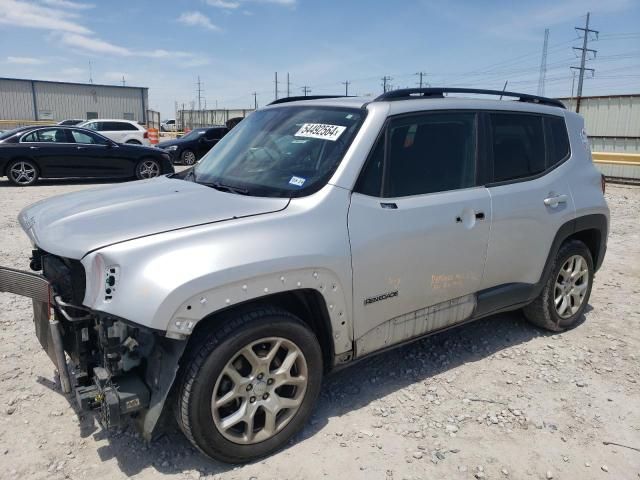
(315, 233)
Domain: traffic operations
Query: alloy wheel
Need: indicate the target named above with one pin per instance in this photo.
(571, 286)
(189, 157)
(259, 390)
(149, 169)
(23, 173)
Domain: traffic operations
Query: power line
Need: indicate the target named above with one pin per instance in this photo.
(543, 63)
(585, 40)
(346, 84)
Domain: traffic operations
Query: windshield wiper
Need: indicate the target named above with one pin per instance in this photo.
(226, 188)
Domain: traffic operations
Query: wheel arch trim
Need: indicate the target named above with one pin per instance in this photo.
(206, 304)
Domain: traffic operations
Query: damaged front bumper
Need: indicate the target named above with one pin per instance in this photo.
(115, 367)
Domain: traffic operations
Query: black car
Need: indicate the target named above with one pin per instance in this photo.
(192, 147)
(29, 153)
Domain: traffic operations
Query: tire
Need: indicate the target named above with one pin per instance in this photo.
(573, 292)
(22, 173)
(218, 352)
(148, 168)
(188, 157)
(133, 142)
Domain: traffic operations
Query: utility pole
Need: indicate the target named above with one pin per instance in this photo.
(346, 84)
(573, 82)
(543, 64)
(421, 75)
(306, 90)
(124, 84)
(255, 100)
(385, 83)
(288, 86)
(276, 85)
(90, 73)
(583, 57)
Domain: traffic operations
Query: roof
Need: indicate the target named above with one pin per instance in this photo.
(621, 95)
(72, 83)
(399, 106)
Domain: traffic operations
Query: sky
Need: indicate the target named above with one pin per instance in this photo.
(236, 46)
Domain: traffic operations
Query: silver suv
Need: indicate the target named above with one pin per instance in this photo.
(317, 232)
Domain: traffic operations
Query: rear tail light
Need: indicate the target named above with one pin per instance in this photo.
(603, 183)
(146, 134)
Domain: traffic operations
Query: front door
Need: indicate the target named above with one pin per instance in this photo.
(419, 228)
(96, 156)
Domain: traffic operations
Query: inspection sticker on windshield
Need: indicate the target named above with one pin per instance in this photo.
(297, 181)
(321, 131)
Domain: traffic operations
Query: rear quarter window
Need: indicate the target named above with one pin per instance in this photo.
(558, 148)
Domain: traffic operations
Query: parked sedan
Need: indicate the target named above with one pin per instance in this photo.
(29, 153)
(193, 146)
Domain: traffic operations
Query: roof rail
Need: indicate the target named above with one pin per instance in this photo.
(307, 97)
(409, 93)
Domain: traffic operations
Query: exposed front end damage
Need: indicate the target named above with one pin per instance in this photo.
(115, 367)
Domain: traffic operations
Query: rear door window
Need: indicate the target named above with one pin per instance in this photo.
(518, 145)
(47, 135)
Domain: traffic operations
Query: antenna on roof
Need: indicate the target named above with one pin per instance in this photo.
(504, 88)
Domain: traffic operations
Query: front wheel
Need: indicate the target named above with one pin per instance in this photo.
(22, 173)
(133, 142)
(566, 292)
(188, 157)
(250, 385)
(147, 168)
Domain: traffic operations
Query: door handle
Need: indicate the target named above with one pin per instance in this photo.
(80, 148)
(478, 215)
(34, 148)
(555, 200)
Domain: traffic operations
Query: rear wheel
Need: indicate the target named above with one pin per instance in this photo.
(147, 168)
(188, 157)
(22, 173)
(566, 293)
(250, 385)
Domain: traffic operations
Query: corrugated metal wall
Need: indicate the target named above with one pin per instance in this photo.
(609, 116)
(16, 100)
(58, 101)
(205, 118)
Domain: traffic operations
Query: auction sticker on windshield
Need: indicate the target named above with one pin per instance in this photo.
(321, 131)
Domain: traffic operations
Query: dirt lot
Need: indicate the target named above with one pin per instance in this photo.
(495, 399)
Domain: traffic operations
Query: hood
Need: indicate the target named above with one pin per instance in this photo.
(74, 224)
(168, 143)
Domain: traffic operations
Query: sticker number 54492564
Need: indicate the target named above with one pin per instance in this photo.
(321, 131)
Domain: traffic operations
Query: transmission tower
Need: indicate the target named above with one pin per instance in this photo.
(543, 64)
(583, 57)
(200, 91)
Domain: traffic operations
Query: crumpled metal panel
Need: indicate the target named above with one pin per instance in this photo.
(415, 324)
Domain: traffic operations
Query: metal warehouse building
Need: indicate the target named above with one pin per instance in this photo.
(28, 100)
(612, 121)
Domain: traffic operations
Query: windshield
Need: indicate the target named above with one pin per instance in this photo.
(281, 152)
(193, 134)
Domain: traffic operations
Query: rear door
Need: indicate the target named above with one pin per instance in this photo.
(418, 226)
(530, 197)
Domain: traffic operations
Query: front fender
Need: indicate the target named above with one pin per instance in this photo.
(204, 303)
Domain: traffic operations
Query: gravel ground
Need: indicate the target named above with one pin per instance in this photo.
(493, 399)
